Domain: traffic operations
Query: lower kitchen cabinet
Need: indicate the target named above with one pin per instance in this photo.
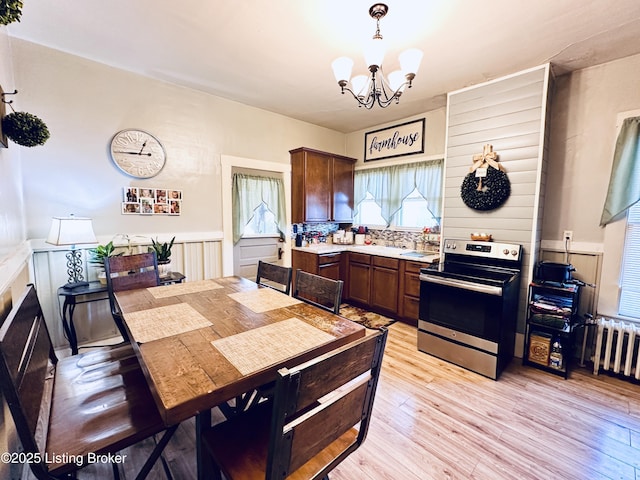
(409, 292)
(384, 284)
(359, 278)
(329, 265)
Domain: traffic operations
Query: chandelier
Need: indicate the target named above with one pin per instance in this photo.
(375, 88)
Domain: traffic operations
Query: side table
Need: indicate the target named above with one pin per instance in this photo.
(94, 292)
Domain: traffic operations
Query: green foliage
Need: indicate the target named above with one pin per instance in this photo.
(25, 129)
(163, 250)
(101, 252)
(10, 11)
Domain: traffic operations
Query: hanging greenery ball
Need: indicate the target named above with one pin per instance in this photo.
(495, 190)
(10, 11)
(25, 129)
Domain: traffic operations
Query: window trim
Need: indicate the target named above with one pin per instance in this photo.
(614, 238)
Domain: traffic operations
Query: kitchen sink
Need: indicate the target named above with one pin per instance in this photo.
(413, 254)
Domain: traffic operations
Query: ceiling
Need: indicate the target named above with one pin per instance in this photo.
(277, 55)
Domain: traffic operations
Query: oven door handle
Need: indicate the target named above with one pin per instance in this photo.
(474, 287)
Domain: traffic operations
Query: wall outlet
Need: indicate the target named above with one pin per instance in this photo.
(567, 235)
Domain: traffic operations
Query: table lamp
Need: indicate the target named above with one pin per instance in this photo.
(72, 231)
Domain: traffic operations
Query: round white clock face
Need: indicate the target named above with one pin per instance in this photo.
(137, 153)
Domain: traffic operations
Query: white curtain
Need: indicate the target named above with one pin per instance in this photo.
(389, 186)
(249, 192)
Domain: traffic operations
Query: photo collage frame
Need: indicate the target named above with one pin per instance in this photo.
(151, 201)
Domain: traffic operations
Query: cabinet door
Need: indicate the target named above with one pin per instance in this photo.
(317, 187)
(359, 282)
(384, 289)
(342, 190)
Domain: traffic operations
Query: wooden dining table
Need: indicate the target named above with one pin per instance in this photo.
(203, 343)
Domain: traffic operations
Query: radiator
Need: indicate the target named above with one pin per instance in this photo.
(617, 348)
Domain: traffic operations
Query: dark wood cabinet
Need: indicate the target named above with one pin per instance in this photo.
(321, 186)
(359, 278)
(329, 265)
(409, 291)
(384, 284)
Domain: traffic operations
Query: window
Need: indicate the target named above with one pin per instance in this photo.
(263, 222)
(402, 196)
(258, 205)
(629, 305)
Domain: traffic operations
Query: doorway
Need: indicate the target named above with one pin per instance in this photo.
(235, 261)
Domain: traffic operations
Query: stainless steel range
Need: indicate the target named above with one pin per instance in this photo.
(469, 305)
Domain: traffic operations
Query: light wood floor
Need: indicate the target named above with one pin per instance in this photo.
(433, 420)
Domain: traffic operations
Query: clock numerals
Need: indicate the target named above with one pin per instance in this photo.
(137, 153)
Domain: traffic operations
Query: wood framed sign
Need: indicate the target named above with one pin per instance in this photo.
(396, 141)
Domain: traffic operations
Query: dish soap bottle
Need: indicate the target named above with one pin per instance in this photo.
(556, 359)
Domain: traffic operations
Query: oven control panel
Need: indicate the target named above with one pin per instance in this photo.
(508, 251)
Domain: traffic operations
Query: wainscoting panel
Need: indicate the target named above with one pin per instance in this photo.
(196, 259)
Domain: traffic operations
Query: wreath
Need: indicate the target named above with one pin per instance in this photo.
(494, 190)
(489, 191)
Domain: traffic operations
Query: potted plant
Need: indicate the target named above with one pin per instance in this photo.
(98, 256)
(10, 11)
(163, 254)
(25, 129)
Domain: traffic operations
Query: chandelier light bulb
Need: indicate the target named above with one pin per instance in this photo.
(397, 80)
(410, 60)
(374, 52)
(342, 68)
(360, 84)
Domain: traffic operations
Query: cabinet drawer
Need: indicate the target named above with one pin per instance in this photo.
(411, 307)
(414, 267)
(386, 262)
(412, 284)
(328, 258)
(359, 258)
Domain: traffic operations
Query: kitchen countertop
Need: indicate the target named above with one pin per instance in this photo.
(393, 252)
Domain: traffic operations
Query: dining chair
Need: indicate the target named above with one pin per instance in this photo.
(128, 272)
(274, 276)
(319, 415)
(71, 411)
(320, 291)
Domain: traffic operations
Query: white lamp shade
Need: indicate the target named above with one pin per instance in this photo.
(374, 52)
(342, 68)
(396, 79)
(359, 84)
(410, 60)
(71, 231)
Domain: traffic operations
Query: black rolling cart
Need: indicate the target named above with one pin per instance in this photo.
(552, 320)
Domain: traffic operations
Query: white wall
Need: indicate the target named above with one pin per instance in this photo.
(85, 103)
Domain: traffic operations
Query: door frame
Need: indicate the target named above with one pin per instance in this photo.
(227, 163)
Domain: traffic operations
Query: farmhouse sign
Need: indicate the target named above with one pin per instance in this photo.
(397, 141)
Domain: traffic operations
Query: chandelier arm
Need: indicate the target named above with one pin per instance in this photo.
(368, 103)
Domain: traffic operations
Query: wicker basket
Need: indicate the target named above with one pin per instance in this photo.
(481, 238)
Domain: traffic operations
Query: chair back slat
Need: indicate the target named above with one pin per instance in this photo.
(308, 416)
(320, 291)
(27, 359)
(330, 422)
(128, 272)
(134, 271)
(274, 274)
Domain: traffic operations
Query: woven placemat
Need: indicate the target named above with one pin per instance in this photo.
(165, 291)
(263, 299)
(255, 349)
(161, 322)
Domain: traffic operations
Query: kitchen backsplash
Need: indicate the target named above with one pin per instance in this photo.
(413, 240)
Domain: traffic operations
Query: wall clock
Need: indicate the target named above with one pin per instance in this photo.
(137, 153)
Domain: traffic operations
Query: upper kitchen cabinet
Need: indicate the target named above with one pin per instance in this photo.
(321, 186)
